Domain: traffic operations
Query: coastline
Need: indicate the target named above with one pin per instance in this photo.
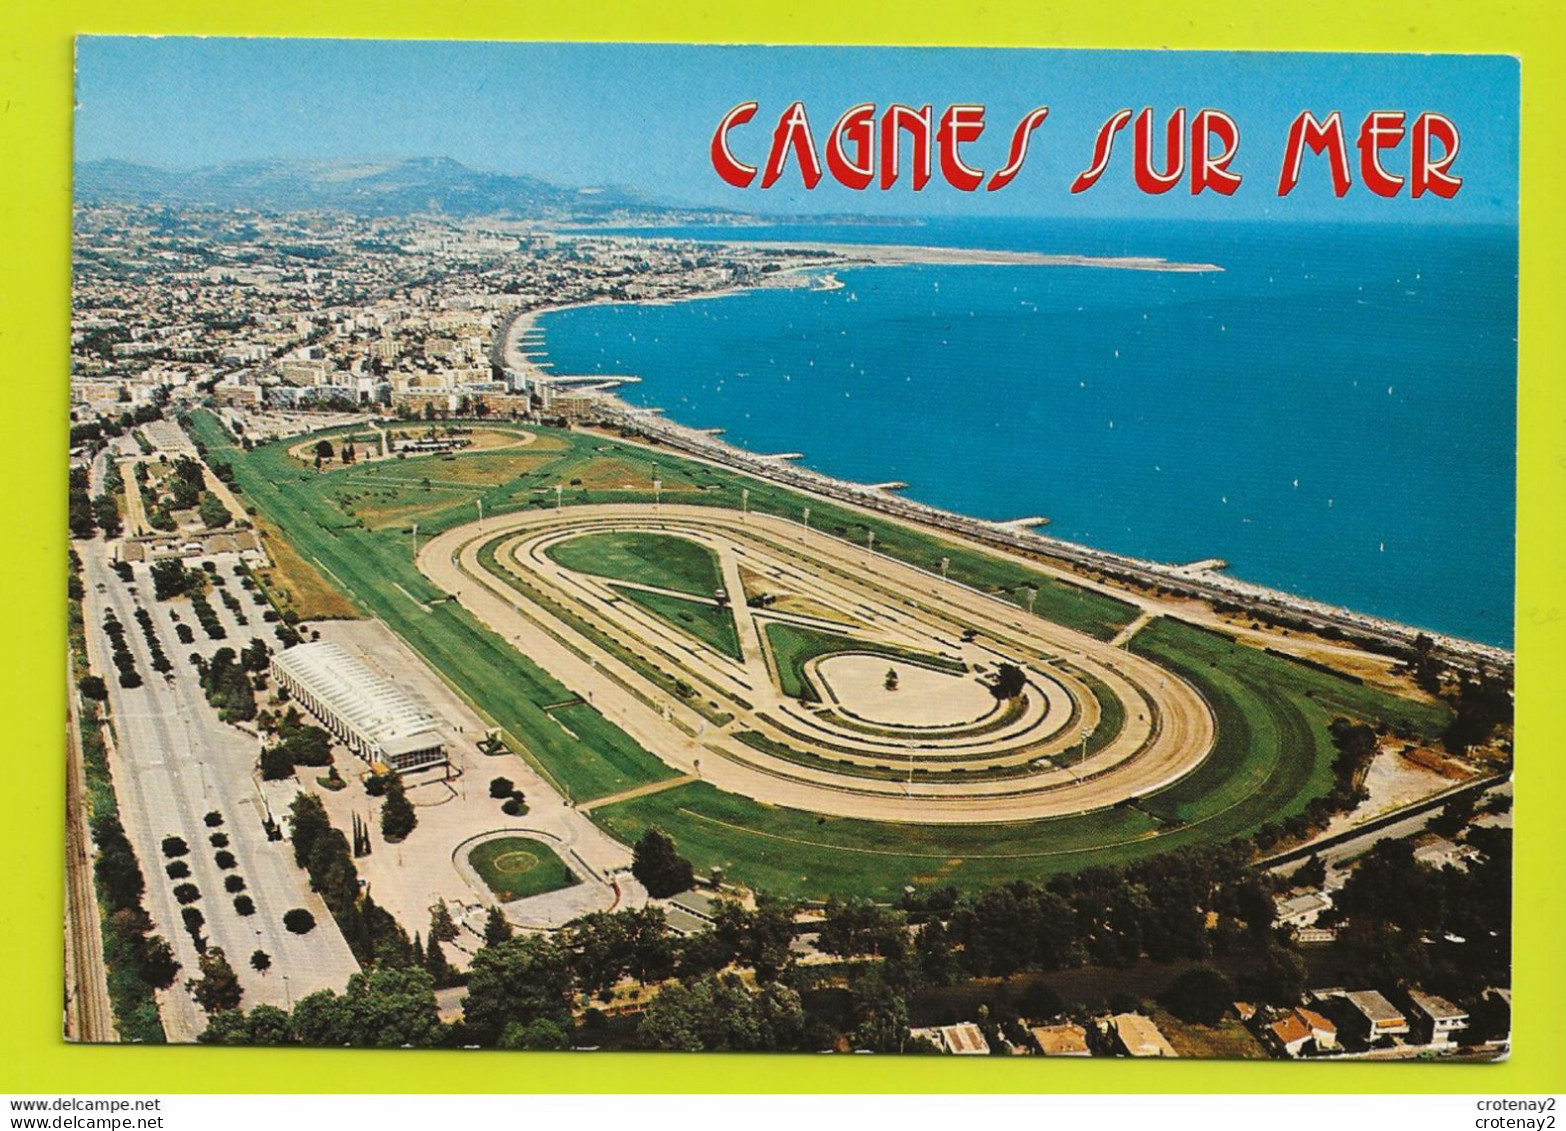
(506, 354)
(1203, 584)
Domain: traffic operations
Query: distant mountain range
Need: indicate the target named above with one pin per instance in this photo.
(416, 185)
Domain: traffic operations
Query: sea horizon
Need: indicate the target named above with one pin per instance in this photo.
(1332, 413)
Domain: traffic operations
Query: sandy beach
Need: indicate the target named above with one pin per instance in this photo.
(900, 255)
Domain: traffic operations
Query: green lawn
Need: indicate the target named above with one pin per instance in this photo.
(1273, 753)
(515, 867)
(793, 646)
(663, 561)
(592, 758)
(708, 623)
(795, 853)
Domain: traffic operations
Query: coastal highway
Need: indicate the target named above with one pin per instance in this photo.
(1341, 847)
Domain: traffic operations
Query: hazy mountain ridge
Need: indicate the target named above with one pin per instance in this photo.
(392, 187)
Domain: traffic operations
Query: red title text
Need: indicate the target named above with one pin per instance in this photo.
(1391, 151)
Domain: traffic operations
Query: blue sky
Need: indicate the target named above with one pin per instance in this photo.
(583, 114)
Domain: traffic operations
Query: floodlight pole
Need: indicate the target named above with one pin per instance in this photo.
(559, 490)
(480, 503)
(744, 502)
(807, 518)
(657, 495)
(415, 541)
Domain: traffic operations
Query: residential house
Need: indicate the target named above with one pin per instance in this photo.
(1435, 1019)
(1064, 1039)
(1135, 1035)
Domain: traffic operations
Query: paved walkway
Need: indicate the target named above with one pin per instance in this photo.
(639, 791)
(408, 878)
(1123, 637)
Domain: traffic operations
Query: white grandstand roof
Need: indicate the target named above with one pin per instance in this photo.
(364, 700)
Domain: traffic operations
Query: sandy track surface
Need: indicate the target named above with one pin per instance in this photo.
(1030, 764)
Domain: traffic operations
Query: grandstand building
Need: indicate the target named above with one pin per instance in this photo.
(373, 717)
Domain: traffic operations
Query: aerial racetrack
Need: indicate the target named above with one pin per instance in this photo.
(639, 615)
(788, 666)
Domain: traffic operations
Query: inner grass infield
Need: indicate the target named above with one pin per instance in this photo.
(516, 867)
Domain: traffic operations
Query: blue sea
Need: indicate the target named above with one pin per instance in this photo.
(1333, 414)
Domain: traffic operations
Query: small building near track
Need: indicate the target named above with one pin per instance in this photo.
(367, 713)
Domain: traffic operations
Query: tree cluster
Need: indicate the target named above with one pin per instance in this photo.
(217, 990)
(398, 818)
(170, 579)
(1483, 704)
(186, 484)
(381, 1008)
(659, 867)
(228, 687)
(81, 516)
(131, 950)
(716, 1013)
(160, 661)
(1157, 908)
(1008, 683)
(372, 933)
(299, 744)
(1447, 930)
(211, 511)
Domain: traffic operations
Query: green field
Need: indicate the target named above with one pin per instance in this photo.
(793, 646)
(1273, 752)
(515, 867)
(710, 624)
(593, 758)
(794, 853)
(663, 561)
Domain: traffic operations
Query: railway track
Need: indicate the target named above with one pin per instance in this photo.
(89, 1015)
